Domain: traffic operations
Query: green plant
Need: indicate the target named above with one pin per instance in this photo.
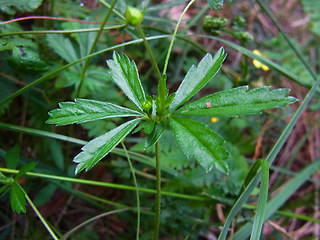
(213, 158)
(154, 113)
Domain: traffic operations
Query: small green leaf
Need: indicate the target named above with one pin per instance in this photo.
(125, 74)
(236, 101)
(17, 199)
(200, 142)
(197, 78)
(12, 157)
(25, 169)
(99, 147)
(155, 135)
(84, 110)
(147, 127)
(216, 4)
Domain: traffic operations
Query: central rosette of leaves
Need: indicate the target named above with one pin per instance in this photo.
(153, 114)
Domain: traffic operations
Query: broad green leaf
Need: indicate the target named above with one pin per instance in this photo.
(12, 157)
(200, 142)
(197, 78)
(262, 202)
(84, 110)
(99, 147)
(216, 4)
(155, 135)
(125, 74)
(236, 101)
(25, 169)
(17, 199)
(26, 59)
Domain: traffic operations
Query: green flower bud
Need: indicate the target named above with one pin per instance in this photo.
(147, 105)
(133, 16)
(212, 25)
(245, 37)
(239, 22)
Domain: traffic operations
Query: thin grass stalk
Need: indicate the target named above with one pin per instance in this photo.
(136, 186)
(158, 194)
(174, 36)
(44, 222)
(262, 202)
(86, 63)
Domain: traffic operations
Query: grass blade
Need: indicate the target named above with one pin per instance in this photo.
(262, 202)
(274, 204)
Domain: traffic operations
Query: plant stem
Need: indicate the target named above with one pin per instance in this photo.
(174, 35)
(137, 189)
(146, 44)
(63, 31)
(86, 64)
(46, 225)
(158, 194)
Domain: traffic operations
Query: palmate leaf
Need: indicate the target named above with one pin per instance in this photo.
(236, 101)
(197, 78)
(200, 142)
(125, 74)
(84, 110)
(99, 147)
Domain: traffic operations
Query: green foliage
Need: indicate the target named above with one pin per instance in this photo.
(12, 157)
(9, 6)
(281, 52)
(312, 8)
(24, 55)
(204, 152)
(196, 140)
(216, 4)
(99, 147)
(197, 78)
(125, 74)
(238, 101)
(17, 199)
(83, 110)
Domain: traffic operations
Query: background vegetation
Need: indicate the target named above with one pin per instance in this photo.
(42, 61)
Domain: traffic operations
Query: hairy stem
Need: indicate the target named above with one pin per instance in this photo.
(86, 64)
(137, 190)
(146, 44)
(158, 194)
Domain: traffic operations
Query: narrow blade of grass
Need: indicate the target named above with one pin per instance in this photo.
(275, 203)
(262, 202)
